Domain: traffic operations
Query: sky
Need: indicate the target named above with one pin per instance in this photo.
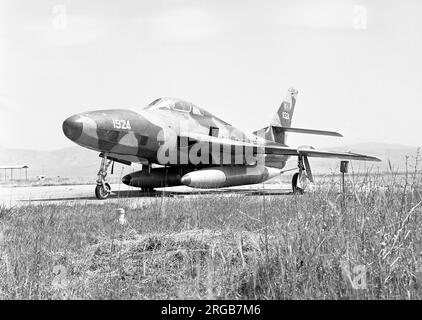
(356, 64)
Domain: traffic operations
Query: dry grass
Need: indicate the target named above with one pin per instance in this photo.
(221, 247)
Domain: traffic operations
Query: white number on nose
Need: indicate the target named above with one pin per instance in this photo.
(116, 124)
(121, 124)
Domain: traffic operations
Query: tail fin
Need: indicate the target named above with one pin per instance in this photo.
(284, 115)
(283, 118)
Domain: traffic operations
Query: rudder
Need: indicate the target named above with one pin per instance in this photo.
(284, 115)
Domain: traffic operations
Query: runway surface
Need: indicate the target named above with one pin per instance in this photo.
(36, 195)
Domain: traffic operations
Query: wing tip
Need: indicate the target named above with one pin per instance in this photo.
(366, 157)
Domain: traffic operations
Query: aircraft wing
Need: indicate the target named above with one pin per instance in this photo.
(278, 149)
(314, 153)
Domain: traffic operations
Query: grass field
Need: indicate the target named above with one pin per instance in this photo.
(321, 245)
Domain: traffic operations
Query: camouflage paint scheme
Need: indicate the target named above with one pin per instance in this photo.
(150, 126)
(135, 135)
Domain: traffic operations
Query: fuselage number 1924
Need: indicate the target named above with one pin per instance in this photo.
(121, 124)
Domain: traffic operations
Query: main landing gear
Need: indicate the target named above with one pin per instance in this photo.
(103, 189)
(147, 190)
(299, 178)
(147, 169)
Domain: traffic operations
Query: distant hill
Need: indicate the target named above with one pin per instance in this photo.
(68, 162)
(80, 162)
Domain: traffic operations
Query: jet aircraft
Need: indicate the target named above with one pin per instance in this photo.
(179, 143)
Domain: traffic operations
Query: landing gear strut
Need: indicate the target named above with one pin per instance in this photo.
(147, 169)
(103, 189)
(297, 176)
(301, 176)
(147, 190)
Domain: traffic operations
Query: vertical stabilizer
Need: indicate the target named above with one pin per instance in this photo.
(284, 115)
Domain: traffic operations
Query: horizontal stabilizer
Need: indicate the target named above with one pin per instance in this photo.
(307, 131)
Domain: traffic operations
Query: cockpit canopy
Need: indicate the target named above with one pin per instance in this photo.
(176, 105)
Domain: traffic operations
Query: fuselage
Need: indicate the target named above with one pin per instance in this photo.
(139, 135)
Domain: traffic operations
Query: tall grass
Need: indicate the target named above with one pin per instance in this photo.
(222, 246)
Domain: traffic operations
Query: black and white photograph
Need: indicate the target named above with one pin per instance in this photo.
(210, 155)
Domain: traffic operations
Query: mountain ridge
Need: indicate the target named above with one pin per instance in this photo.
(78, 161)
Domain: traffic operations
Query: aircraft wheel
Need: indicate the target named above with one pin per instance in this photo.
(102, 193)
(295, 188)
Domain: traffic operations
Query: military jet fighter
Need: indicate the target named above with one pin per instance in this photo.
(179, 143)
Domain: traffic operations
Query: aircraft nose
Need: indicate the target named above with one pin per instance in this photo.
(72, 127)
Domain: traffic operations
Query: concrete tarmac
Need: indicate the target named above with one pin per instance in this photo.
(23, 195)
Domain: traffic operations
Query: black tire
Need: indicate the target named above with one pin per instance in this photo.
(102, 193)
(295, 188)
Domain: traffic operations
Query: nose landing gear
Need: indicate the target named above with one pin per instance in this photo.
(103, 189)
